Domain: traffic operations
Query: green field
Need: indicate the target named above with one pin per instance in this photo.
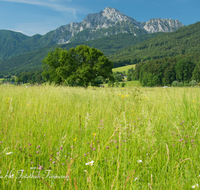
(138, 138)
(127, 84)
(125, 68)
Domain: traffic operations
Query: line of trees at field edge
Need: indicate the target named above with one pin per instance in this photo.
(166, 71)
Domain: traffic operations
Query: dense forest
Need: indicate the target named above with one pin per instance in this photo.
(182, 69)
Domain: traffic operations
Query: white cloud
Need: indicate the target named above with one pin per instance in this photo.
(53, 4)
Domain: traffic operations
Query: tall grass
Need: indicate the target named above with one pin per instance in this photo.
(138, 138)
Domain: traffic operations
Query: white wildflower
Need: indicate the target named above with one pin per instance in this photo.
(136, 179)
(90, 163)
(139, 161)
(8, 153)
(194, 186)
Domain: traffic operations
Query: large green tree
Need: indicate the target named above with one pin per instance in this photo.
(78, 66)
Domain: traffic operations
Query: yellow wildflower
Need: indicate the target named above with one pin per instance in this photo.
(94, 134)
(119, 94)
(193, 101)
(75, 139)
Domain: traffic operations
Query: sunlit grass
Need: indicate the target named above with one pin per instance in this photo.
(124, 68)
(99, 138)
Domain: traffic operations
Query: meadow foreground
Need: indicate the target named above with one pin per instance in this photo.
(110, 138)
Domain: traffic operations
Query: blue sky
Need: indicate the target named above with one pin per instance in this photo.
(40, 16)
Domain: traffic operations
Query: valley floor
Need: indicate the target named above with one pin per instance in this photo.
(99, 138)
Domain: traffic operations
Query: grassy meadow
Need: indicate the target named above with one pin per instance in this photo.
(137, 138)
(124, 68)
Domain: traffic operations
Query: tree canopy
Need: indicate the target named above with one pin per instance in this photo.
(79, 66)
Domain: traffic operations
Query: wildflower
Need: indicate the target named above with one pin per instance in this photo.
(40, 167)
(44, 135)
(94, 149)
(75, 139)
(139, 161)
(136, 179)
(107, 147)
(38, 146)
(90, 163)
(29, 144)
(31, 162)
(8, 153)
(194, 186)
(193, 101)
(123, 96)
(94, 134)
(37, 152)
(71, 146)
(50, 159)
(61, 148)
(119, 115)
(57, 153)
(63, 164)
(119, 94)
(85, 154)
(98, 141)
(53, 162)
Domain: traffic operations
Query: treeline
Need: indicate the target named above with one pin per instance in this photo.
(31, 77)
(167, 70)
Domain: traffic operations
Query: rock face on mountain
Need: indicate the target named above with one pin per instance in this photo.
(109, 22)
(162, 25)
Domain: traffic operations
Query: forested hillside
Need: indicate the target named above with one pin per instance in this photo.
(33, 60)
(185, 40)
(15, 43)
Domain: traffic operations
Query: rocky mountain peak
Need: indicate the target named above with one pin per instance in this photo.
(114, 15)
(110, 21)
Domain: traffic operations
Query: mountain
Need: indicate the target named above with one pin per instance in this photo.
(105, 23)
(33, 60)
(109, 22)
(184, 41)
